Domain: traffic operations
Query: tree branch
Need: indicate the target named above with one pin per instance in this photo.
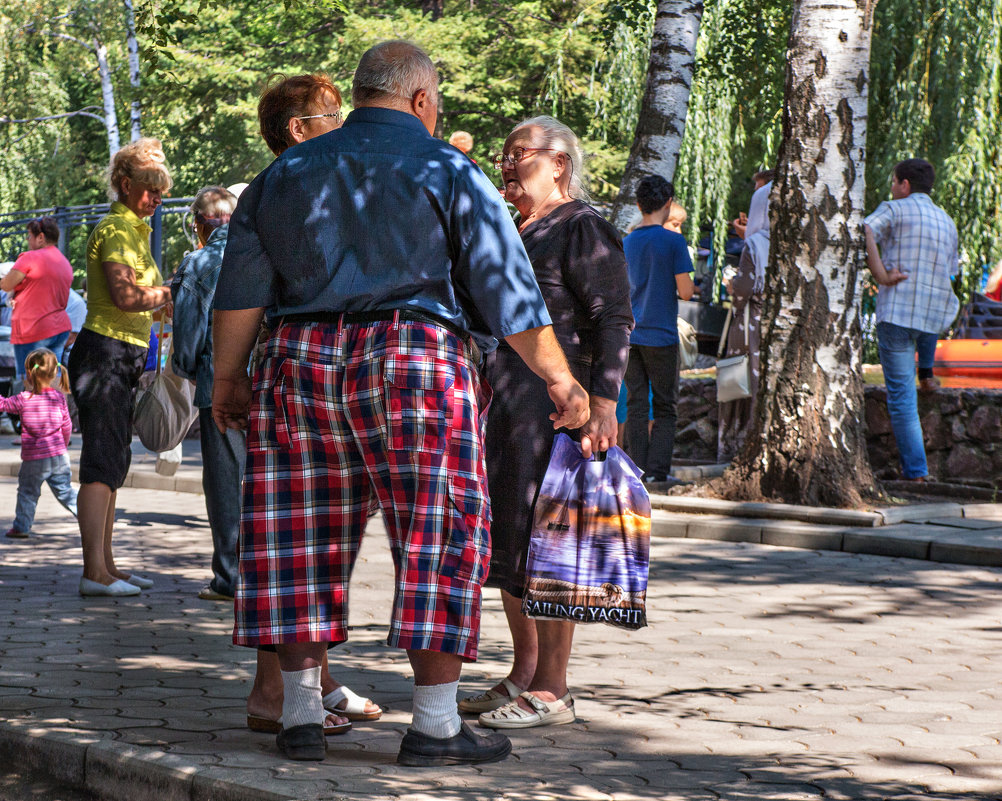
(68, 38)
(79, 113)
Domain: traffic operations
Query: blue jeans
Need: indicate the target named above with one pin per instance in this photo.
(56, 344)
(925, 344)
(53, 469)
(223, 461)
(897, 346)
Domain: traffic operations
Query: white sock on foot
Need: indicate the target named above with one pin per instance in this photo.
(435, 711)
(302, 702)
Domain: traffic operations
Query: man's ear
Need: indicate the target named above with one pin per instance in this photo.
(296, 130)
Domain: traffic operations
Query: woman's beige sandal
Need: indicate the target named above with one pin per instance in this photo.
(354, 705)
(545, 713)
(490, 700)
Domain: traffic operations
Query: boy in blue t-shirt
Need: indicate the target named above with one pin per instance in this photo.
(660, 272)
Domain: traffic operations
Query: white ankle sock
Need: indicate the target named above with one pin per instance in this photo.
(302, 702)
(435, 712)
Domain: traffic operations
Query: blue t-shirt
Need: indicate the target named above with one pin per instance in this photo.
(654, 257)
(379, 215)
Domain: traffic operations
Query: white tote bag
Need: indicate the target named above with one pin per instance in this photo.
(734, 372)
(166, 410)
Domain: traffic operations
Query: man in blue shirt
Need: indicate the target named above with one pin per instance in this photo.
(660, 272)
(377, 251)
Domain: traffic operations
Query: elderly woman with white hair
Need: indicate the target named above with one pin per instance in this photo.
(109, 355)
(578, 260)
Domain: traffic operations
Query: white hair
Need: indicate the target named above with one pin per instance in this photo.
(214, 203)
(558, 136)
(396, 68)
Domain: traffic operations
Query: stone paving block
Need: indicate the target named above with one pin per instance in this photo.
(668, 524)
(59, 756)
(910, 541)
(967, 523)
(970, 548)
(116, 770)
(725, 529)
(983, 511)
(802, 535)
(919, 512)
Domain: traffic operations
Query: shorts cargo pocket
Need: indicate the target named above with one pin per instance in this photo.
(418, 393)
(303, 411)
(466, 546)
(261, 435)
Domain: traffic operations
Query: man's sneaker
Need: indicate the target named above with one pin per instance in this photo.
(419, 750)
(14, 534)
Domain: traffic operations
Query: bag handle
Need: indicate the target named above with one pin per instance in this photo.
(727, 328)
(160, 344)
(722, 349)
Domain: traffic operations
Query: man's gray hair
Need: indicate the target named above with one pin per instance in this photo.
(396, 68)
(558, 136)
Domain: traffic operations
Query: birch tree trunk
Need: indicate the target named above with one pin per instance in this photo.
(133, 47)
(808, 443)
(661, 123)
(107, 96)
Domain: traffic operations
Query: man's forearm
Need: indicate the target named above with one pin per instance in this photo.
(234, 332)
(873, 260)
(539, 349)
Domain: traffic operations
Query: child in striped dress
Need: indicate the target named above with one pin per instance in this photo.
(45, 433)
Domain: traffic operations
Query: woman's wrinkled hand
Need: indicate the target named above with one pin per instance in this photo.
(599, 433)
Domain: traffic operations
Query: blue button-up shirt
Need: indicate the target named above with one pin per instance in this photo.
(917, 237)
(380, 215)
(193, 288)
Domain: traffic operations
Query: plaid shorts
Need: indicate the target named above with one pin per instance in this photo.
(343, 414)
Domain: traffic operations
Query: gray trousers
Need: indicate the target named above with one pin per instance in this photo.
(223, 459)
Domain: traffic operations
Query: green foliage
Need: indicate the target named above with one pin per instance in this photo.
(935, 86)
(935, 94)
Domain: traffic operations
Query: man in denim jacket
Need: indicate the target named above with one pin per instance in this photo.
(223, 455)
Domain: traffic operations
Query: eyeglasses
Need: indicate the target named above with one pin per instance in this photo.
(337, 116)
(518, 154)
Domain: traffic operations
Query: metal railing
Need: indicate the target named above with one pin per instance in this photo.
(13, 224)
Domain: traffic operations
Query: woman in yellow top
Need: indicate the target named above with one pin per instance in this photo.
(123, 289)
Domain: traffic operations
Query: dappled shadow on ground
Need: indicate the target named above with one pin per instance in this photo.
(853, 588)
(712, 701)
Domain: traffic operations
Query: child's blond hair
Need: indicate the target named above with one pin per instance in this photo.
(42, 365)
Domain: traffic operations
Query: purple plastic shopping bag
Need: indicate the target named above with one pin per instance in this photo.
(590, 544)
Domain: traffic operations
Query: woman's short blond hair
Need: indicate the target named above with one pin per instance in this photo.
(143, 161)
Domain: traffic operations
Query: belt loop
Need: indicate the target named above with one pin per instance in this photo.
(396, 319)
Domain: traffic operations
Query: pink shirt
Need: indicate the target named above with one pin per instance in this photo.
(41, 296)
(45, 422)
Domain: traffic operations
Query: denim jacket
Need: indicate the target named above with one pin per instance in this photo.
(193, 288)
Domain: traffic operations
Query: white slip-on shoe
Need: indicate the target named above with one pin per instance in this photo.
(118, 587)
(139, 581)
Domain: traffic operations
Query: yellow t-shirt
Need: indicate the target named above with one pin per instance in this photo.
(124, 238)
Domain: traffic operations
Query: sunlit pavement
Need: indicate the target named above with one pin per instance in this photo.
(765, 673)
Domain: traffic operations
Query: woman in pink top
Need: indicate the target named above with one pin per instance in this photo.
(40, 283)
(45, 433)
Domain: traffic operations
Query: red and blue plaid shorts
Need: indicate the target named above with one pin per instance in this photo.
(342, 414)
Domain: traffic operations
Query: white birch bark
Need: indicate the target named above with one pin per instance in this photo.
(661, 123)
(808, 443)
(107, 96)
(135, 110)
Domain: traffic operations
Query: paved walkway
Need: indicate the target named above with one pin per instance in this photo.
(766, 673)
